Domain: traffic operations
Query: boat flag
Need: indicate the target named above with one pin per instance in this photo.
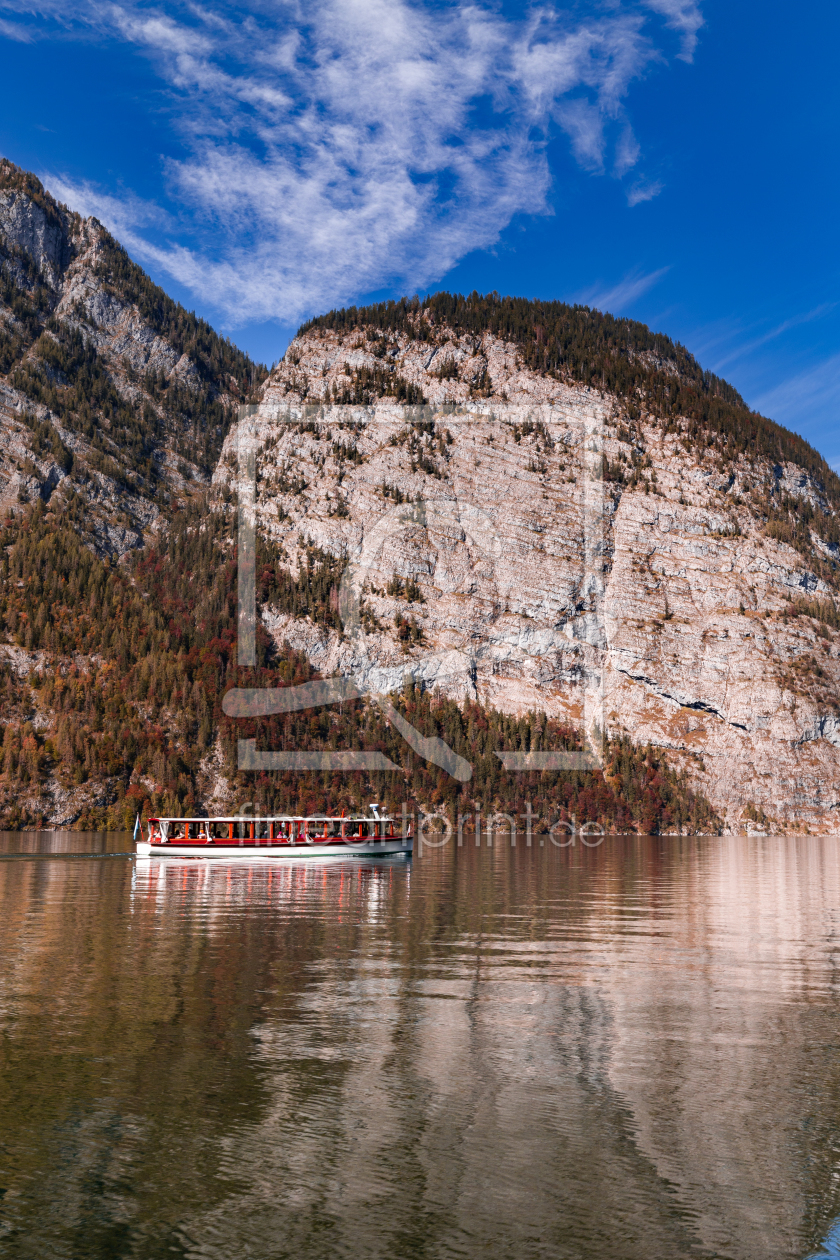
(136, 826)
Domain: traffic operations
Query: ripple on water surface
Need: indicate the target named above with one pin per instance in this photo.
(623, 1052)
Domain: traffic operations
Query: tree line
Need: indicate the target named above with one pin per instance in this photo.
(621, 356)
(125, 702)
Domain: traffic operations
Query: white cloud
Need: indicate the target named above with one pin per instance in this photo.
(583, 123)
(643, 192)
(747, 348)
(683, 16)
(356, 144)
(621, 295)
(124, 213)
(20, 34)
(627, 153)
(805, 396)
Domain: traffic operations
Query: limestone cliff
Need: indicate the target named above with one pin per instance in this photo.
(571, 517)
(710, 631)
(110, 393)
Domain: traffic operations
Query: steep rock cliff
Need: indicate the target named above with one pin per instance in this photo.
(580, 522)
(709, 628)
(109, 391)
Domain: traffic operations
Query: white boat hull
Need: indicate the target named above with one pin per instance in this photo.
(360, 848)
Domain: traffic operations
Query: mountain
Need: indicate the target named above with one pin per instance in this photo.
(113, 398)
(114, 402)
(714, 636)
(583, 517)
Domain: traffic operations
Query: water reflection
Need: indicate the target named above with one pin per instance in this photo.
(64, 843)
(621, 1052)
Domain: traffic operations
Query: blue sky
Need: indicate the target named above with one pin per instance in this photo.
(671, 160)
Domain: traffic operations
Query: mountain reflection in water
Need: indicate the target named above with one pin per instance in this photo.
(624, 1052)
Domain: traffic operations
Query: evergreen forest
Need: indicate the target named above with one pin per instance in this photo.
(133, 662)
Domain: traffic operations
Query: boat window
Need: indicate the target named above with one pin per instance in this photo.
(176, 831)
(242, 829)
(220, 830)
(260, 830)
(333, 827)
(281, 831)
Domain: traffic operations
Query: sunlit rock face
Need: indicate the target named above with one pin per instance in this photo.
(113, 402)
(550, 552)
(98, 397)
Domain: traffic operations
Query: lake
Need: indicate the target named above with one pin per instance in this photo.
(623, 1051)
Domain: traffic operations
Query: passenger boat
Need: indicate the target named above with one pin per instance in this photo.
(281, 836)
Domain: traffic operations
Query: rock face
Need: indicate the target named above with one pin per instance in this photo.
(535, 536)
(108, 390)
(30, 230)
(113, 405)
(524, 541)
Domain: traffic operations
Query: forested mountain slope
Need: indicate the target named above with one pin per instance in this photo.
(114, 402)
(713, 629)
(109, 391)
(709, 621)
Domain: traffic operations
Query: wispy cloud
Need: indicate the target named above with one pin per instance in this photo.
(125, 212)
(13, 30)
(643, 192)
(627, 153)
(808, 395)
(683, 16)
(748, 347)
(620, 296)
(351, 145)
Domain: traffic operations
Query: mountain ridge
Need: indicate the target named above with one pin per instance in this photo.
(118, 489)
(720, 556)
(583, 345)
(112, 390)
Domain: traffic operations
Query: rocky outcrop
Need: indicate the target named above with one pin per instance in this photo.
(109, 392)
(549, 551)
(36, 232)
(534, 537)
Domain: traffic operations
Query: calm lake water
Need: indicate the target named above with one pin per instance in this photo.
(629, 1051)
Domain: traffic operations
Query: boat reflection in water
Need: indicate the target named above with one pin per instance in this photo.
(622, 1052)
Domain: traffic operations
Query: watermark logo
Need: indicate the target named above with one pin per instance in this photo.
(434, 830)
(541, 489)
(431, 829)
